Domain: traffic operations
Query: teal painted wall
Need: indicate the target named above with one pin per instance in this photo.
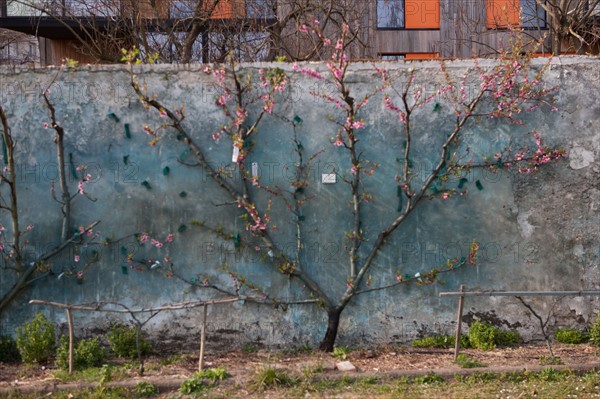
(536, 232)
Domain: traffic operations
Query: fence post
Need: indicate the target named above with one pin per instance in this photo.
(70, 321)
(461, 300)
(202, 335)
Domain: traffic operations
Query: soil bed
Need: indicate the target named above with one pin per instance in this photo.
(242, 366)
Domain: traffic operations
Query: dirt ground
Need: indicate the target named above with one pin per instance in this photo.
(243, 365)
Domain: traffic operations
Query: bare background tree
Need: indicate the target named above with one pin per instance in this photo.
(481, 27)
(574, 23)
(203, 30)
(17, 48)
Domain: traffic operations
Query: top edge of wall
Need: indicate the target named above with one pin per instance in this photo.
(360, 64)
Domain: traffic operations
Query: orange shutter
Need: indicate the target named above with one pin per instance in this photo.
(225, 9)
(502, 13)
(422, 14)
(421, 56)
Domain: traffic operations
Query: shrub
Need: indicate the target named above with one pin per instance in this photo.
(214, 374)
(196, 384)
(570, 336)
(146, 389)
(482, 336)
(595, 332)
(269, 377)
(122, 341)
(508, 337)
(464, 341)
(341, 352)
(486, 337)
(86, 353)
(8, 350)
(193, 385)
(36, 340)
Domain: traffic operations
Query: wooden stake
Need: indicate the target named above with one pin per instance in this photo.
(202, 335)
(461, 301)
(70, 321)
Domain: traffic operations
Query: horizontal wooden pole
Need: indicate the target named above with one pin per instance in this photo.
(102, 306)
(521, 293)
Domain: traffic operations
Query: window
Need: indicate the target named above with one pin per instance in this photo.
(408, 56)
(516, 13)
(390, 14)
(532, 14)
(408, 14)
(391, 57)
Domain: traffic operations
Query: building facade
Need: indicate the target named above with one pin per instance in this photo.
(94, 31)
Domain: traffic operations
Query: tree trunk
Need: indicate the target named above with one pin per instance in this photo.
(333, 322)
(557, 44)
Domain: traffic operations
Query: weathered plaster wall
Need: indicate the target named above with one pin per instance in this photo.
(536, 232)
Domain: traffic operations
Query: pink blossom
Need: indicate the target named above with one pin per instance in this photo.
(221, 101)
(354, 169)
(338, 142)
(167, 259)
(445, 195)
(303, 28)
(358, 124)
(76, 258)
(241, 117)
(80, 275)
(144, 237)
(45, 125)
(156, 243)
(170, 237)
(29, 227)
(308, 72)
(163, 113)
(268, 107)
(148, 130)
(80, 188)
(538, 138)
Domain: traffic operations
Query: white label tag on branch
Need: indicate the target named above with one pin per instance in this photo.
(328, 178)
(254, 169)
(236, 154)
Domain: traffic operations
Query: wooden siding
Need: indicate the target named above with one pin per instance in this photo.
(462, 33)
